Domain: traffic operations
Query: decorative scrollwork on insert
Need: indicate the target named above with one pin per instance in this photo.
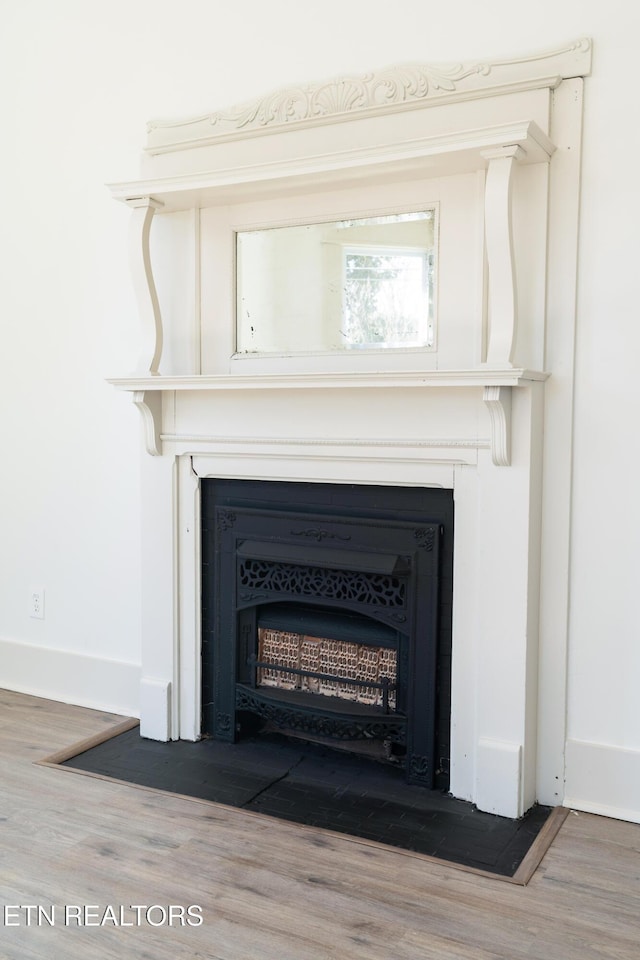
(225, 520)
(333, 726)
(352, 586)
(223, 722)
(425, 538)
(250, 596)
(317, 534)
(419, 769)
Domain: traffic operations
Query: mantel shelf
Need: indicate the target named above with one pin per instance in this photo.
(496, 385)
(478, 377)
(459, 152)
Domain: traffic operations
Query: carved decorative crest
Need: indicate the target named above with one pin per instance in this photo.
(392, 88)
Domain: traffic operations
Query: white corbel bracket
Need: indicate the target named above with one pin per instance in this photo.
(149, 403)
(498, 401)
(145, 289)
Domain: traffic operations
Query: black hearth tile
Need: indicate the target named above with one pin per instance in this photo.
(316, 785)
(192, 769)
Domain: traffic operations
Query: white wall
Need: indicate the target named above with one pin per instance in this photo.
(79, 81)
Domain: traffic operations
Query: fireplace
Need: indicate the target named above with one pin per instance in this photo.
(327, 613)
(487, 169)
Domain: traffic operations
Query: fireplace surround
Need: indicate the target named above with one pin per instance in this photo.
(327, 612)
(482, 413)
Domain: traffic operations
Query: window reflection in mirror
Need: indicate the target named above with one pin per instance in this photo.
(361, 284)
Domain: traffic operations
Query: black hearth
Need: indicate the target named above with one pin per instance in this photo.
(326, 612)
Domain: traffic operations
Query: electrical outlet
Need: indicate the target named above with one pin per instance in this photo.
(36, 603)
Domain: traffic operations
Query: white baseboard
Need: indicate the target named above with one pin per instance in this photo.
(603, 779)
(110, 685)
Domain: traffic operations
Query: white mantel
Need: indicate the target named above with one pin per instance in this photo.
(486, 414)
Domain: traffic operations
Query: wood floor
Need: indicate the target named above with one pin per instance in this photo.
(270, 890)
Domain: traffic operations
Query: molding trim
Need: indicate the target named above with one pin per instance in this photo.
(469, 444)
(392, 89)
(431, 468)
(69, 677)
(432, 451)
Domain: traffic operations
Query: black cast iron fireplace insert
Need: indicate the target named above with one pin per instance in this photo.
(326, 611)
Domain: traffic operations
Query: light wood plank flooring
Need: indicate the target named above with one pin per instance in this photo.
(270, 890)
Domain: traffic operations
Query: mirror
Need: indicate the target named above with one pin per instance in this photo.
(364, 284)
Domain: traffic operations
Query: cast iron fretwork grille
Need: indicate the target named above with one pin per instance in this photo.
(345, 585)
